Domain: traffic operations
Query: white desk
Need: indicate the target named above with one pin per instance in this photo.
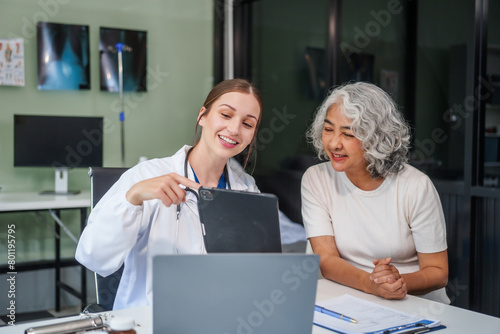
(457, 321)
(34, 202)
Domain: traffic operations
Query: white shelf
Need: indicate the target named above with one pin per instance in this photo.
(34, 201)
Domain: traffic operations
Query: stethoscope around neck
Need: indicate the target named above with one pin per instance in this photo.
(186, 175)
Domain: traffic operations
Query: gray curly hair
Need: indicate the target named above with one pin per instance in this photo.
(376, 122)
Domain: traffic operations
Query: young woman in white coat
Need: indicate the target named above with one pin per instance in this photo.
(375, 221)
(147, 211)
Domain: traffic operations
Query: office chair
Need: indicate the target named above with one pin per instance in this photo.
(101, 179)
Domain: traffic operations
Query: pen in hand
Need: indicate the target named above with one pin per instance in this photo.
(334, 314)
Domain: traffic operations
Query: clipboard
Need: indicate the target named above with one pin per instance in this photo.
(371, 318)
(238, 221)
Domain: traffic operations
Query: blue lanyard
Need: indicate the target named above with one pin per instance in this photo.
(222, 180)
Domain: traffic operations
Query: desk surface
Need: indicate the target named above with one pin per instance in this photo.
(27, 201)
(457, 320)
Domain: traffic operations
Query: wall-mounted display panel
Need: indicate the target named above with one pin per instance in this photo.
(63, 56)
(134, 59)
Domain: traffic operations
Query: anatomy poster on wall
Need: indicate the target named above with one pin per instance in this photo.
(12, 62)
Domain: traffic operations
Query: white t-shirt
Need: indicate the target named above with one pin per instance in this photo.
(401, 217)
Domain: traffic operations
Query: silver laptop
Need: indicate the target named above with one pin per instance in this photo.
(234, 293)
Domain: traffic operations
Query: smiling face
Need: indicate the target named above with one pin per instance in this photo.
(345, 151)
(230, 124)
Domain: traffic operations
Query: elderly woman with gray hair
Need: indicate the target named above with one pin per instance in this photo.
(375, 221)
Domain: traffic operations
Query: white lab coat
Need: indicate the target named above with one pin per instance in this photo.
(119, 232)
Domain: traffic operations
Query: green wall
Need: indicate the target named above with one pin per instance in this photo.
(158, 122)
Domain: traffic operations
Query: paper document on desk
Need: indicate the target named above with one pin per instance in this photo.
(371, 318)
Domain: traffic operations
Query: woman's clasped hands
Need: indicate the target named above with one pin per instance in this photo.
(386, 280)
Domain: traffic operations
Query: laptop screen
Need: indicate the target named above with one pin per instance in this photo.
(234, 293)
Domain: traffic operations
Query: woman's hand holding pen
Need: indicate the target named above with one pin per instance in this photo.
(165, 188)
(387, 282)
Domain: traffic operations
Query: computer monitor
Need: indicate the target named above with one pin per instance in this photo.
(61, 142)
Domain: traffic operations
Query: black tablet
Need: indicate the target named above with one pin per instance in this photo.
(239, 222)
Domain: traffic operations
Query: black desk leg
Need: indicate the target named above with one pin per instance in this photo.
(82, 295)
(83, 220)
(58, 262)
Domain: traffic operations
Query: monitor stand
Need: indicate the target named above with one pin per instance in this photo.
(61, 184)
